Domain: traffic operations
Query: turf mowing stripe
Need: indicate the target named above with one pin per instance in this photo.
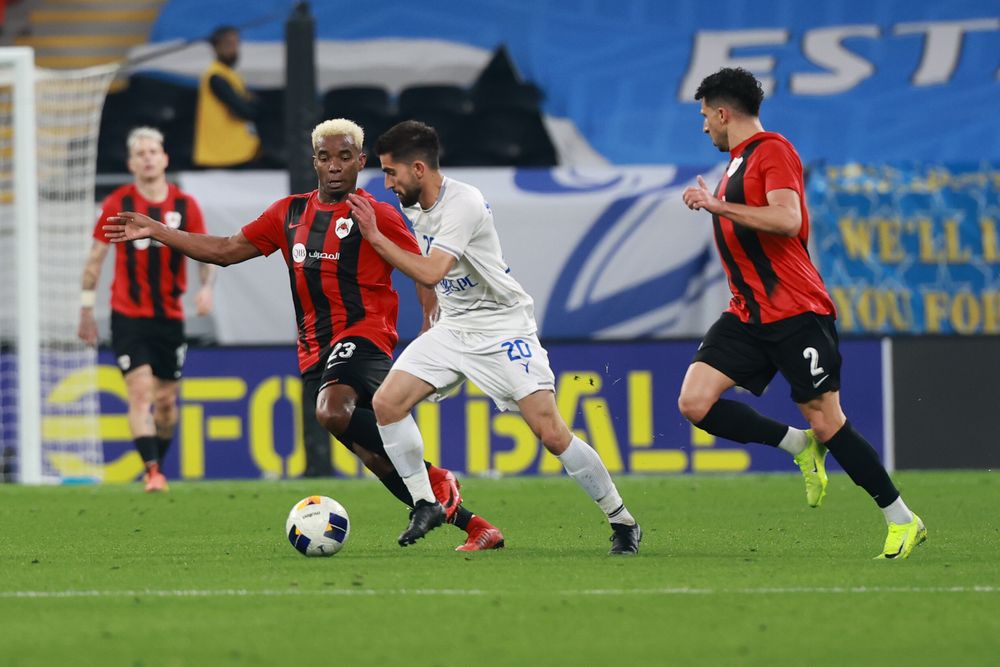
(240, 592)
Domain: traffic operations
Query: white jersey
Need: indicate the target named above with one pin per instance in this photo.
(478, 294)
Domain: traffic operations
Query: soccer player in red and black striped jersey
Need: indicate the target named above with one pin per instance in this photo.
(345, 305)
(781, 318)
(147, 316)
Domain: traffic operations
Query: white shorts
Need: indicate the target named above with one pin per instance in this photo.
(508, 367)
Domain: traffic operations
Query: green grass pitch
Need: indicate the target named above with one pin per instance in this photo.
(733, 570)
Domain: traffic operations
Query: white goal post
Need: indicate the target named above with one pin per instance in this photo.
(49, 122)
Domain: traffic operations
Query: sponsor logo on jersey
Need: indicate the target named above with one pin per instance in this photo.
(317, 254)
(449, 286)
(298, 253)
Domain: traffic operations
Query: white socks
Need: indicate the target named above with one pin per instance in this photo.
(405, 448)
(897, 512)
(794, 441)
(586, 467)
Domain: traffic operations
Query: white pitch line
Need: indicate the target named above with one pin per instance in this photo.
(445, 592)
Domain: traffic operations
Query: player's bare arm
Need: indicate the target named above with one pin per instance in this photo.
(782, 215)
(87, 331)
(219, 250)
(204, 299)
(427, 271)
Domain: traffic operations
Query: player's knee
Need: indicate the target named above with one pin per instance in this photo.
(334, 418)
(140, 405)
(554, 435)
(166, 403)
(824, 427)
(693, 407)
(386, 410)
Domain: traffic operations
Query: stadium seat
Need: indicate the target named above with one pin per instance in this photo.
(163, 103)
(452, 128)
(512, 137)
(525, 96)
(270, 124)
(349, 101)
(115, 125)
(417, 99)
(368, 106)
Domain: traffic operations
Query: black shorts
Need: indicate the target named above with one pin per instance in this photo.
(354, 361)
(158, 342)
(805, 348)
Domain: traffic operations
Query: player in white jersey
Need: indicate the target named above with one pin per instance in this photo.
(486, 331)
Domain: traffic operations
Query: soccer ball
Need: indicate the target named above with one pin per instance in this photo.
(318, 526)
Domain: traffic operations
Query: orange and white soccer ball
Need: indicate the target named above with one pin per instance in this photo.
(318, 526)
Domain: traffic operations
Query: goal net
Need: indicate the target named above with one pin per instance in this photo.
(49, 121)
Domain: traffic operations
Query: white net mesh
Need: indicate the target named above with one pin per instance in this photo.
(67, 117)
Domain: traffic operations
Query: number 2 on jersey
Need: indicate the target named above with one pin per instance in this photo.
(812, 355)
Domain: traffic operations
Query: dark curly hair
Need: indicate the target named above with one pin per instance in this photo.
(411, 140)
(735, 86)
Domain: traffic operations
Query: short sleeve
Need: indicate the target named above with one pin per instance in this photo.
(195, 219)
(458, 223)
(267, 233)
(778, 166)
(391, 223)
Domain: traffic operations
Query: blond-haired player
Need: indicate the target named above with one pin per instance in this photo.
(344, 303)
(147, 316)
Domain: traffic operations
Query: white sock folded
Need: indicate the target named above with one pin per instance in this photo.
(897, 512)
(794, 441)
(584, 465)
(405, 448)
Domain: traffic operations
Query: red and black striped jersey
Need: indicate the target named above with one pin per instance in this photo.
(770, 275)
(150, 277)
(340, 285)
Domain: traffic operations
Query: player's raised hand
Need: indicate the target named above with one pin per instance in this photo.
(700, 197)
(128, 226)
(363, 214)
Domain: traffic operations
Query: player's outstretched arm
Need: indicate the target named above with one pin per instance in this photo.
(427, 271)
(220, 250)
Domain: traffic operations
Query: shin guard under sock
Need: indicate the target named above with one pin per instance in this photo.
(861, 463)
(739, 422)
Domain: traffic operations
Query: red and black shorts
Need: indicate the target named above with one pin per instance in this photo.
(354, 361)
(156, 341)
(804, 348)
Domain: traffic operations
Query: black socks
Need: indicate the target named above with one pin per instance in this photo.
(739, 422)
(149, 448)
(861, 463)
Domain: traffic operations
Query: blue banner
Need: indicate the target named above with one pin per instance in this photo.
(847, 80)
(239, 417)
(910, 249)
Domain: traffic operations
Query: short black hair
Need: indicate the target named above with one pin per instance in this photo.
(221, 32)
(734, 85)
(411, 140)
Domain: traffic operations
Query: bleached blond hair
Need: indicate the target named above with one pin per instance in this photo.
(338, 126)
(140, 133)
